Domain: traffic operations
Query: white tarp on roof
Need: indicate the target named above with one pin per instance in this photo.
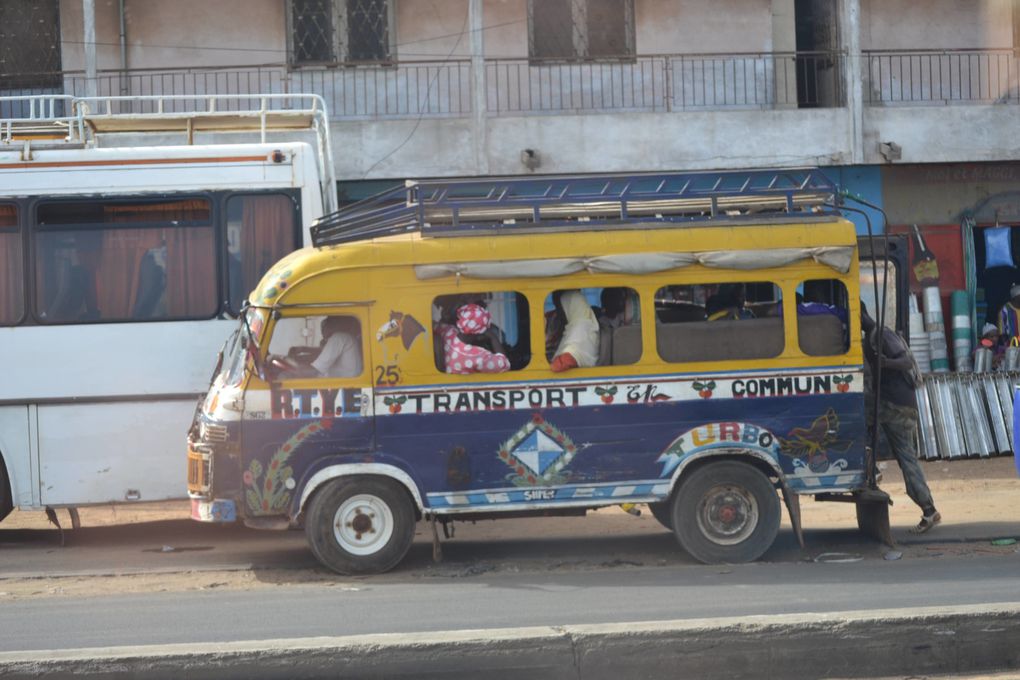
(838, 258)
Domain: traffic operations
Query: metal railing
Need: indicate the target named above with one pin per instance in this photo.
(940, 77)
(647, 83)
(676, 82)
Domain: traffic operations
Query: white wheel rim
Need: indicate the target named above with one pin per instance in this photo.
(727, 514)
(363, 524)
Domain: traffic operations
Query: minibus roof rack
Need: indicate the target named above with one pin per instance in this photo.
(57, 120)
(579, 203)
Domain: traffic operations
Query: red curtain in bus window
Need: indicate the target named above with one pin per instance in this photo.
(158, 272)
(267, 234)
(11, 263)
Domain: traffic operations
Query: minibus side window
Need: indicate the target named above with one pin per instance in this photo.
(316, 347)
(822, 318)
(592, 327)
(719, 321)
(486, 332)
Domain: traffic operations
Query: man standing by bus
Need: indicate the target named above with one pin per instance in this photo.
(897, 410)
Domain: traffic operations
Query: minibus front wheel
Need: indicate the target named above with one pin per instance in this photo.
(360, 525)
(726, 511)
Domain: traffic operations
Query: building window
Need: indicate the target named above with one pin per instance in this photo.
(341, 31)
(29, 46)
(570, 30)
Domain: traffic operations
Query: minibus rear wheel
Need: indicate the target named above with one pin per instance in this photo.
(726, 511)
(360, 525)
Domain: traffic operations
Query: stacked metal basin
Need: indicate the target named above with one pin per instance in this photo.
(966, 414)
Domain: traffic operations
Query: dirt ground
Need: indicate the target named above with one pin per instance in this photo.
(978, 499)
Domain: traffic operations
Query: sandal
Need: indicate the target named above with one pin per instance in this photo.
(927, 523)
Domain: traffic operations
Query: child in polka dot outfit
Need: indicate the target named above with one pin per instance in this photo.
(464, 357)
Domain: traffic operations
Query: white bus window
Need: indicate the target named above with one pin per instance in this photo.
(719, 322)
(822, 318)
(121, 261)
(592, 327)
(12, 304)
(261, 229)
(316, 347)
(481, 332)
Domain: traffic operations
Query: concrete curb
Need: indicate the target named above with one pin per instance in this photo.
(865, 644)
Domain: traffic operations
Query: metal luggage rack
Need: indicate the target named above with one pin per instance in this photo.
(578, 203)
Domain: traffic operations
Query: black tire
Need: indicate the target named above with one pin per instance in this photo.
(663, 512)
(6, 499)
(379, 530)
(726, 512)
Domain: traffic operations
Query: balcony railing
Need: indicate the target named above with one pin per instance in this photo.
(411, 89)
(941, 77)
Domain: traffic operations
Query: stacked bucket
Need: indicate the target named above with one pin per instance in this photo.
(936, 330)
(920, 345)
(959, 306)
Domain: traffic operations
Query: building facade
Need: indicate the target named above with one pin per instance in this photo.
(913, 105)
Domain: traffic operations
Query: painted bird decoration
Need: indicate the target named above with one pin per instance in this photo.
(815, 442)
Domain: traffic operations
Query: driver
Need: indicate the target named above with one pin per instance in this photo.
(340, 356)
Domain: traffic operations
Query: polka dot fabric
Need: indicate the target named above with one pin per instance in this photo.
(462, 358)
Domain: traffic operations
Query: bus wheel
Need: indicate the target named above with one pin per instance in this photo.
(360, 525)
(663, 512)
(726, 512)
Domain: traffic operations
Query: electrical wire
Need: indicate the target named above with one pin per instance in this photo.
(421, 112)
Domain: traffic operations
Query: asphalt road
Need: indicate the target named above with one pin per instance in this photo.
(510, 582)
(500, 600)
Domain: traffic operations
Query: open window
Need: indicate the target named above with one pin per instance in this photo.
(486, 332)
(823, 318)
(319, 346)
(719, 321)
(594, 326)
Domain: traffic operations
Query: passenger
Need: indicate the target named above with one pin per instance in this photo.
(728, 303)
(579, 346)
(463, 352)
(340, 356)
(614, 307)
(1009, 316)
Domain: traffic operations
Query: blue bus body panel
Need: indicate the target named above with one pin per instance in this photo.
(514, 446)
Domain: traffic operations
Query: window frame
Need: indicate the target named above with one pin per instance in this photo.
(33, 227)
(223, 255)
(18, 229)
(359, 312)
(580, 38)
(849, 323)
(340, 43)
(779, 286)
(525, 294)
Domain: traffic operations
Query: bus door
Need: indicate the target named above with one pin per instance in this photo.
(316, 403)
(894, 261)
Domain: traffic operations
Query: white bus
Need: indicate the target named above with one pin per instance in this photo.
(121, 268)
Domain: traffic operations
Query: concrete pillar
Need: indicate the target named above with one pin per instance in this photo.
(479, 107)
(88, 8)
(853, 76)
(784, 40)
